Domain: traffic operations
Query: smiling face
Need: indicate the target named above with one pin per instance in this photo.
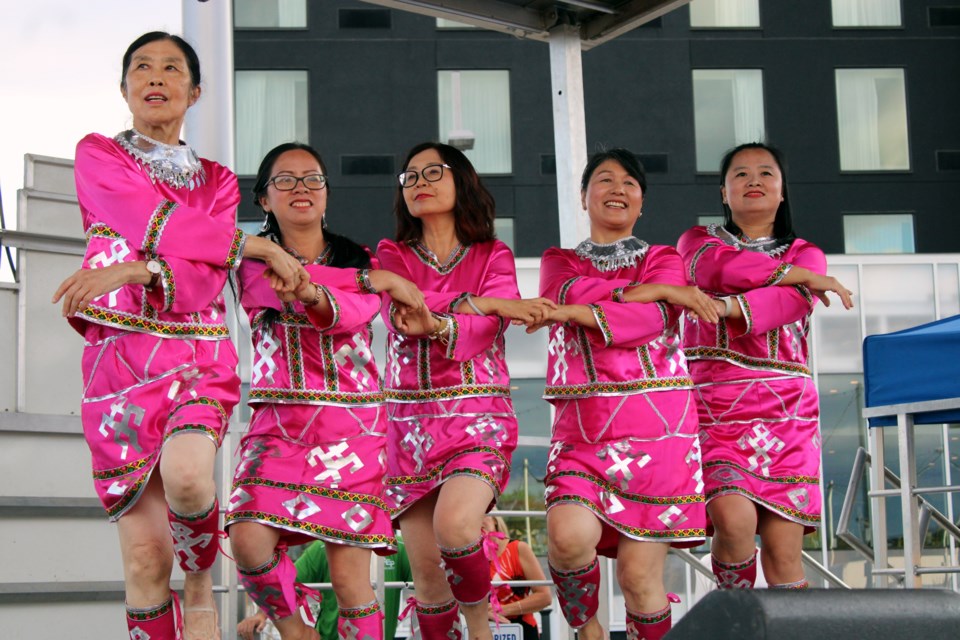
(300, 208)
(753, 187)
(613, 199)
(158, 88)
(430, 198)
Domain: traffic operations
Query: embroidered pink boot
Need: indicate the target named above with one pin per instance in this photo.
(468, 572)
(274, 588)
(156, 623)
(649, 626)
(735, 575)
(578, 592)
(361, 623)
(439, 621)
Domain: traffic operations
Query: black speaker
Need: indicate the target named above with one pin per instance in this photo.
(822, 614)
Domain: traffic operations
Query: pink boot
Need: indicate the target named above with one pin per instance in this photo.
(195, 537)
(273, 587)
(468, 572)
(156, 623)
(649, 626)
(361, 623)
(439, 621)
(578, 592)
(735, 575)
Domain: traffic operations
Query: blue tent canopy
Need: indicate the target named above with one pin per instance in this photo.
(914, 365)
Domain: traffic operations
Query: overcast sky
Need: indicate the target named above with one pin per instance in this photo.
(60, 64)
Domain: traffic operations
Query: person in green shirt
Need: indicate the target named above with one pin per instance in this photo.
(312, 567)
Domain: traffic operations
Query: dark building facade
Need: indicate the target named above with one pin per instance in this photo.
(867, 115)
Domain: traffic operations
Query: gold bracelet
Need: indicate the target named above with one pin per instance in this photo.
(316, 298)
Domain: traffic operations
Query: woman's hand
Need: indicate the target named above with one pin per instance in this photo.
(401, 290)
(577, 313)
(820, 284)
(251, 625)
(84, 285)
(284, 266)
(719, 305)
(493, 616)
(699, 304)
(525, 312)
(415, 322)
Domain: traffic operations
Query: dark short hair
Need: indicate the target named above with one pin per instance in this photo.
(783, 223)
(474, 207)
(624, 157)
(346, 252)
(193, 61)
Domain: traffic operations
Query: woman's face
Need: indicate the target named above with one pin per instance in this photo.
(753, 187)
(301, 207)
(427, 198)
(157, 86)
(613, 199)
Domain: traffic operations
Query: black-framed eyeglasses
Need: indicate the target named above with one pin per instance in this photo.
(430, 173)
(314, 182)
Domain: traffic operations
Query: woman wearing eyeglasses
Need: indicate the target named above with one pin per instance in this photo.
(312, 462)
(452, 428)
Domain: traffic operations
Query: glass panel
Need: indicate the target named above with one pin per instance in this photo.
(724, 13)
(271, 109)
(897, 296)
(505, 232)
(705, 219)
(836, 331)
(948, 289)
(881, 233)
(476, 104)
(270, 14)
(443, 23)
(872, 120)
(728, 110)
(866, 13)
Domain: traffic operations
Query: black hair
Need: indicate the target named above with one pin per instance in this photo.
(624, 157)
(474, 206)
(193, 61)
(783, 222)
(345, 253)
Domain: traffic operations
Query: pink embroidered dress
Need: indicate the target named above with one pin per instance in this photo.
(312, 461)
(156, 362)
(759, 408)
(624, 442)
(449, 406)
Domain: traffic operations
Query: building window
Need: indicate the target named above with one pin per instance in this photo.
(474, 107)
(728, 110)
(709, 218)
(872, 120)
(271, 109)
(269, 14)
(878, 233)
(866, 13)
(724, 13)
(503, 227)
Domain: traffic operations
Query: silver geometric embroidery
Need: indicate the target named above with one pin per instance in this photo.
(693, 459)
(674, 351)
(488, 430)
(397, 495)
(573, 592)
(620, 455)
(119, 419)
(117, 489)
(453, 579)
(611, 503)
(301, 507)
(799, 497)
(358, 518)
(400, 356)
(118, 251)
(556, 449)
(726, 475)
(359, 355)
(239, 497)
(139, 634)
(763, 442)
(672, 516)
(252, 458)
(184, 541)
(418, 442)
(794, 334)
(191, 378)
(265, 348)
(490, 360)
(334, 461)
(559, 346)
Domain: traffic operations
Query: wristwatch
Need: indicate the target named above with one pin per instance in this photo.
(155, 270)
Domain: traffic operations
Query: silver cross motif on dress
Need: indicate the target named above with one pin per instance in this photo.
(359, 356)
(301, 506)
(559, 346)
(121, 421)
(118, 251)
(488, 430)
(418, 442)
(334, 460)
(620, 454)
(265, 347)
(763, 442)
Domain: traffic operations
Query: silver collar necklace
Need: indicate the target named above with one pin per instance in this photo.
(767, 244)
(625, 252)
(175, 165)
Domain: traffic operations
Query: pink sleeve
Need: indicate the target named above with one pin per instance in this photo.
(767, 308)
(186, 286)
(255, 290)
(473, 334)
(351, 310)
(719, 268)
(113, 189)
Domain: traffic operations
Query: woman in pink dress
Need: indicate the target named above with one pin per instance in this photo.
(759, 412)
(159, 370)
(452, 428)
(312, 462)
(623, 478)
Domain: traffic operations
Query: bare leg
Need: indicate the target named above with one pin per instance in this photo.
(781, 547)
(146, 548)
(735, 522)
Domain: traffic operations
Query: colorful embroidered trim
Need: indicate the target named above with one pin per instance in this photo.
(145, 615)
(158, 220)
(792, 514)
(294, 396)
(613, 387)
(309, 528)
(794, 479)
(635, 532)
(235, 253)
(447, 393)
(125, 320)
(778, 274)
(433, 262)
(734, 357)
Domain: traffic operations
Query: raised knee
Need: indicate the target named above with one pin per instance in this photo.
(454, 530)
(567, 551)
(149, 562)
(636, 583)
(190, 490)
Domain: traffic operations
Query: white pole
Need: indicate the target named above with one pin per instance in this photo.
(208, 27)
(569, 132)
